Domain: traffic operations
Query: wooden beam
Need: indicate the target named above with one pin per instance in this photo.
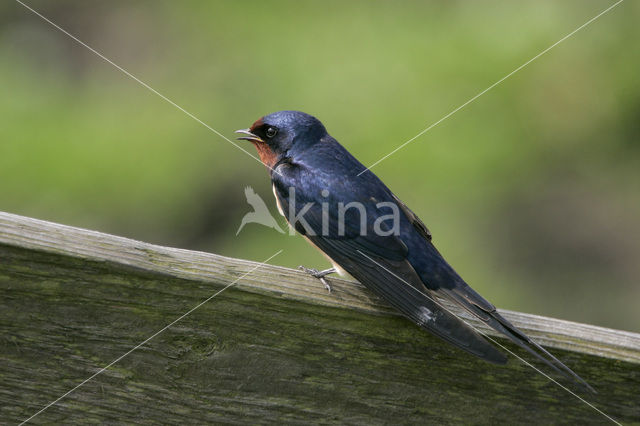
(276, 346)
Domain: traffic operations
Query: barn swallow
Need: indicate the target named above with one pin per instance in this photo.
(378, 240)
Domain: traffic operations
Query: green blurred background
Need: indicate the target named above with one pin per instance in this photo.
(532, 191)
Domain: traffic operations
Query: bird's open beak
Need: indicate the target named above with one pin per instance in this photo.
(250, 136)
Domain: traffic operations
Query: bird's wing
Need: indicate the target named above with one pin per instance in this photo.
(380, 263)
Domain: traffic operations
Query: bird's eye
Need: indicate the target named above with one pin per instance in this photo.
(271, 132)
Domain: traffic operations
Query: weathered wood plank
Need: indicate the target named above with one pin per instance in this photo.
(74, 300)
(53, 238)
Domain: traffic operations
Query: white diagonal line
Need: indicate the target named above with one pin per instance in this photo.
(140, 81)
(151, 337)
(492, 86)
(488, 337)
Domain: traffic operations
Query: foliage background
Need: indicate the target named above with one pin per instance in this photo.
(532, 191)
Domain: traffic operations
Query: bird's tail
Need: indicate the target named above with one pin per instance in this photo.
(488, 314)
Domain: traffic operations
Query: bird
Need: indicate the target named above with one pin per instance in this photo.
(348, 213)
(260, 213)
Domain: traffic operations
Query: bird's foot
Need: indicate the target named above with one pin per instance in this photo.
(319, 274)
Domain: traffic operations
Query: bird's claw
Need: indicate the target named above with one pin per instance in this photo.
(319, 274)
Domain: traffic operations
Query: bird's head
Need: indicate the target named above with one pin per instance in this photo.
(283, 134)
